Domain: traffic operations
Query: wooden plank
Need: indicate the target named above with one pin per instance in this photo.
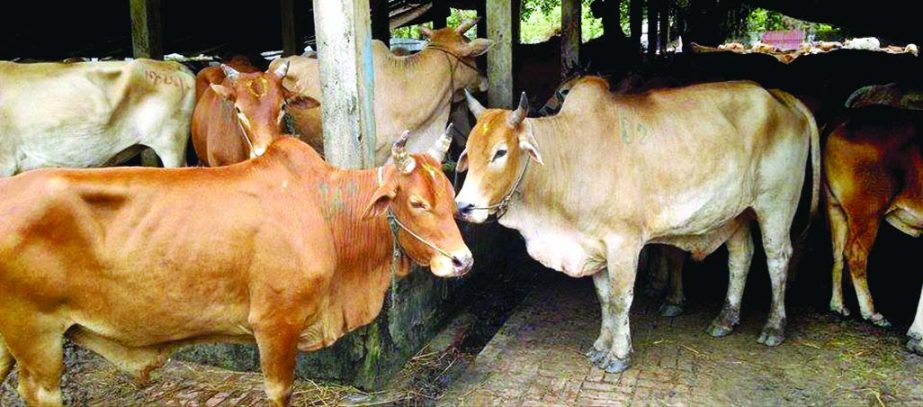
(440, 13)
(500, 56)
(291, 40)
(146, 36)
(344, 47)
(571, 16)
(653, 6)
(635, 21)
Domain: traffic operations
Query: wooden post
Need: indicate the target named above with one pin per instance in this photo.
(381, 21)
(571, 16)
(440, 13)
(635, 16)
(500, 56)
(652, 7)
(344, 47)
(664, 25)
(291, 40)
(146, 38)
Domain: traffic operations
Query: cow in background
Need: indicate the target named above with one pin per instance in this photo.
(873, 168)
(215, 74)
(92, 114)
(240, 117)
(411, 92)
(283, 250)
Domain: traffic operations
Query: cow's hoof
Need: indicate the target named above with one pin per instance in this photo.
(879, 321)
(612, 364)
(771, 336)
(670, 310)
(840, 310)
(596, 356)
(719, 328)
(915, 345)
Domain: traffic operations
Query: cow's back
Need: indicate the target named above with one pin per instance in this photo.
(83, 114)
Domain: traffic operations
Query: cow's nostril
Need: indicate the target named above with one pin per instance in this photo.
(457, 262)
(465, 207)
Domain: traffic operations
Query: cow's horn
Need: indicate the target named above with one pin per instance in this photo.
(229, 72)
(474, 106)
(439, 150)
(426, 31)
(282, 70)
(518, 115)
(402, 160)
(466, 25)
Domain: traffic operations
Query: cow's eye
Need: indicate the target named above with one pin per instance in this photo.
(499, 154)
(417, 204)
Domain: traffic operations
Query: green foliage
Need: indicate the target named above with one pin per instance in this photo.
(761, 20)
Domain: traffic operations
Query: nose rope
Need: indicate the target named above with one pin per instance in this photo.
(504, 205)
(243, 135)
(396, 249)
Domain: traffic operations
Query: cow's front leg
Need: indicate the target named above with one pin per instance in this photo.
(278, 345)
(601, 347)
(915, 344)
(622, 267)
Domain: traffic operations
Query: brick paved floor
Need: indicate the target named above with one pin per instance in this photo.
(537, 359)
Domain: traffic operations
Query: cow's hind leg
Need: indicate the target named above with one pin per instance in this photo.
(915, 344)
(39, 353)
(172, 156)
(600, 348)
(740, 254)
(672, 260)
(778, 246)
(139, 362)
(6, 361)
(838, 232)
(860, 238)
(278, 345)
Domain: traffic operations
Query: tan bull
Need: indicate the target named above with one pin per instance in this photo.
(690, 167)
(411, 92)
(284, 250)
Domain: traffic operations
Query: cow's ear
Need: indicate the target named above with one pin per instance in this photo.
(381, 200)
(223, 91)
(462, 164)
(478, 47)
(302, 102)
(527, 144)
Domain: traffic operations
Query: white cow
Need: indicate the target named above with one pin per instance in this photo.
(690, 167)
(91, 114)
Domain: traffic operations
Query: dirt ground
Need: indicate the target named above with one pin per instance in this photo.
(537, 358)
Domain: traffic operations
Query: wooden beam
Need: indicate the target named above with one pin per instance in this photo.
(344, 47)
(653, 6)
(440, 13)
(146, 37)
(500, 56)
(571, 16)
(291, 40)
(664, 25)
(635, 21)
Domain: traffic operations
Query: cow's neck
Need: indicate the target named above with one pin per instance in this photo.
(542, 198)
(363, 247)
(423, 82)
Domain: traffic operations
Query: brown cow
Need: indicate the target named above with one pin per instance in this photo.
(240, 117)
(874, 171)
(284, 250)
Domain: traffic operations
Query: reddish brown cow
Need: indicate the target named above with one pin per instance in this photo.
(874, 172)
(284, 250)
(240, 117)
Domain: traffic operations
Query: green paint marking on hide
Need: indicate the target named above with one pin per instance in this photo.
(624, 128)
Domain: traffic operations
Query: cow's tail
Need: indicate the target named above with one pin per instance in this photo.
(814, 138)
